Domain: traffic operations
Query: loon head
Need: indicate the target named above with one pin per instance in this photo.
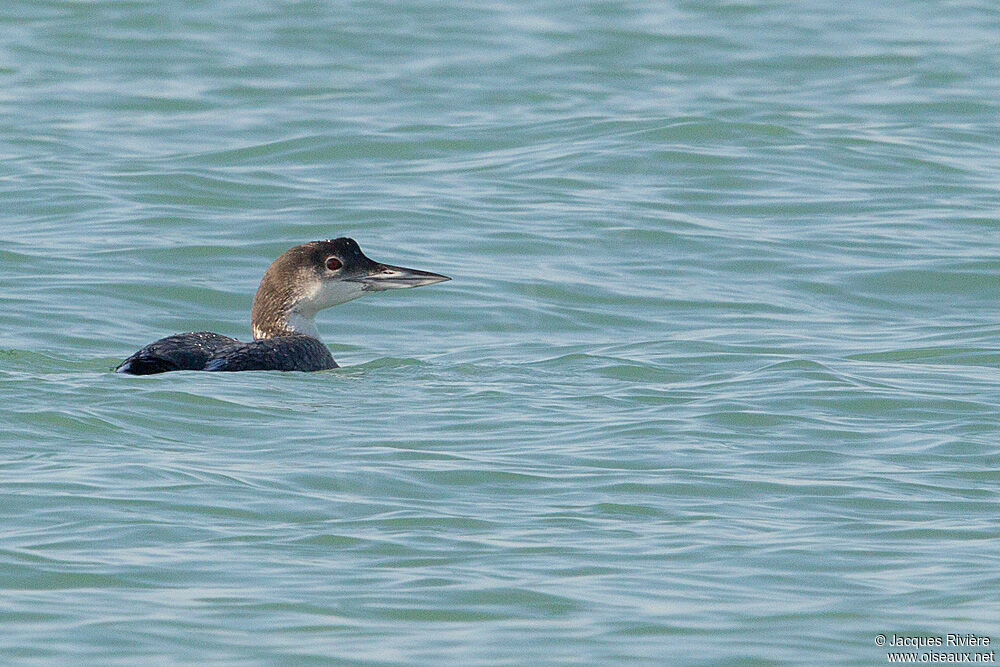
(317, 275)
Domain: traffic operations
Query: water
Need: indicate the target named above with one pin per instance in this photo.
(716, 378)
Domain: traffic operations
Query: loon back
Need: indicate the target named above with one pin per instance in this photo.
(297, 285)
(207, 351)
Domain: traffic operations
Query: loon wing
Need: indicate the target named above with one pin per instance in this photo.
(284, 353)
(180, 352)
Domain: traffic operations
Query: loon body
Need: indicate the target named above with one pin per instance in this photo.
(300, 283)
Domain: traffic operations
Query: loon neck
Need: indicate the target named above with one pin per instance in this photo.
(282, 306)
(293, 323)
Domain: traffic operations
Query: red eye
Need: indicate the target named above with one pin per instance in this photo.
(333, 263)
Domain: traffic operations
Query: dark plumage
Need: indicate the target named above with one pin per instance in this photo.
(298, 284)
(207, 351)
(294, 352)
(180, 352)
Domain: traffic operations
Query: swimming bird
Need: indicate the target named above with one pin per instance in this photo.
(298, 284)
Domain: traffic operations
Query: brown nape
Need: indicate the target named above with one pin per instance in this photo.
(279, 289)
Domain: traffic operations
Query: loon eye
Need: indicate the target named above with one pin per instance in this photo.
(333, 263)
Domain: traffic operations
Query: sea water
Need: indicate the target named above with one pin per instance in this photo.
(716, 379)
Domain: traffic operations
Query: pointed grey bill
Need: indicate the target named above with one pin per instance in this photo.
(384, 276)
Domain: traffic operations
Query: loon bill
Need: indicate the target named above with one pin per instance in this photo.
(300, 283)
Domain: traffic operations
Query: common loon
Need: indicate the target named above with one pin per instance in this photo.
(301, 282)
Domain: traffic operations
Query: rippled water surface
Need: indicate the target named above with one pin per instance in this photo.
(716, 377)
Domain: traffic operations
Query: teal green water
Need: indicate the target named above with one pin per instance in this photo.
(715, 380)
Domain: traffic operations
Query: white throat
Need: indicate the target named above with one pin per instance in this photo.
(293, 323)
(301, 318)
(302, 324)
